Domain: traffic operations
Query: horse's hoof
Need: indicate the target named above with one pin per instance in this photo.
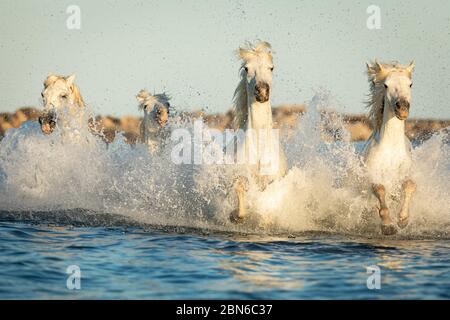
(388, 229)
(235, 218)
(403, 222)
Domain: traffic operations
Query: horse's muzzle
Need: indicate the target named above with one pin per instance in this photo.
(48, 122)
(162, 123)
(402, 109)
(262, 92)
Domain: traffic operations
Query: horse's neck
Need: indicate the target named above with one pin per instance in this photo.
(259, 126)
(392, 132)
(149, 127)
(262, 144)
(76, 106)
(72, 116)
(74, 109)
(259, 116)
(388, 155)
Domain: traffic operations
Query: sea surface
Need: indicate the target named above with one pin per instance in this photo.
(178, 263)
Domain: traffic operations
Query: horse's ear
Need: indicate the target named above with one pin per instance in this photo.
(379, 66)
(142, 96)
(70, 80)
(411, 66)
(244, 54)
(372, 69)
(241, 53)
(51, 78)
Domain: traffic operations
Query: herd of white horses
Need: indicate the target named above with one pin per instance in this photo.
(387, 155)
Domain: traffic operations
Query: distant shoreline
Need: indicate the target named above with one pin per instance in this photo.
(285, 116)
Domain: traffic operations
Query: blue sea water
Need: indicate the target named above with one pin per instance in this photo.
(152, 263)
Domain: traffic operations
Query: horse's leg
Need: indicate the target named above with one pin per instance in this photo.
(387, 226)
(240, 187)
(408, 188)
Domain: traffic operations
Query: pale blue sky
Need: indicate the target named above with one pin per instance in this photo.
(186, 48)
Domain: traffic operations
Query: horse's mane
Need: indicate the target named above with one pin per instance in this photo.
(377, 74)
(52, 78)
(77, 96)
(240, 108)
(144, 98)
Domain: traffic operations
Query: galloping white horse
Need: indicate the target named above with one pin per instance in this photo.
(63, 104)
(259, 151)
(388, 150)
(153, 128)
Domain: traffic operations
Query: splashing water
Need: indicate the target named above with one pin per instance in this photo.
(324, 189)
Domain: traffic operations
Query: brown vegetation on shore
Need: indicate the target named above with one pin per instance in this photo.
(285, 116)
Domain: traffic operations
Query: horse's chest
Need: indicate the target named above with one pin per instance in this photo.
(260, 118)
(155, 138)
(388, 164)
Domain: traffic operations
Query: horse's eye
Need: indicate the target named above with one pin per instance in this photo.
(246, 69)
(385, 85)
(410, 85)
(64, 96)
(271, 69)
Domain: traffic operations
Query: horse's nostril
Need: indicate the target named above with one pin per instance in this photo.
(402, 105)
(262, 87)
(262, 92)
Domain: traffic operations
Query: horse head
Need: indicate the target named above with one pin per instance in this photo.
(257, 67)
(59, 92)
(157, 106)
(393, 83)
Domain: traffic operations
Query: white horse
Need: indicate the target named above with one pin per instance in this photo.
(388, 150)
(63, 104)
(153, 129)
(259, 151)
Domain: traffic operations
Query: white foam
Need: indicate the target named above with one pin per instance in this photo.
(324, 189)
